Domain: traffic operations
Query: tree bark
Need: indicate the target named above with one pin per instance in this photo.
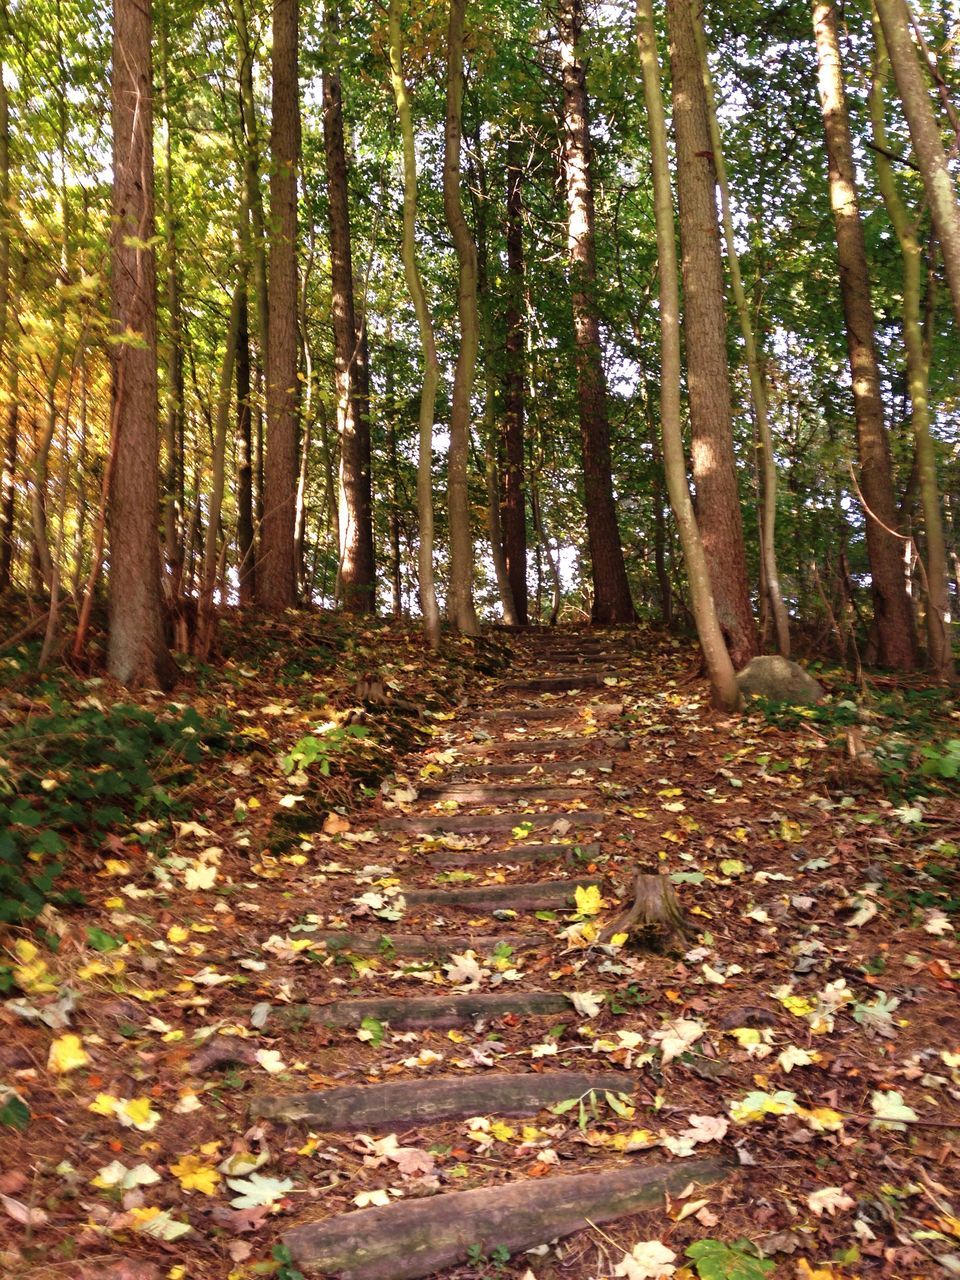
(460, 604)
(896, 637)
(357, 566)
(611, 590)
(939, 647)
(513, 503)
(431, 368)
(277, 567)
(927, 143)
(138, 653)
(716, 655)
(705, 333)
(173, 417)
(758, 389)
(246, 564)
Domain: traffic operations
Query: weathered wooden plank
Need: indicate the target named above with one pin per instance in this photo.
(413, 1238)
(413, 944)
(521, 897)
(438, 1011)
(559, 710)
(573, 745)
(425, 823)
(502, 793)
(366, 1107)
(516, 853)
(556, 683)
(534, 768)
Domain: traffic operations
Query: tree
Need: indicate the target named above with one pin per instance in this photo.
(719, 665)
(705, 333)
(514, 503)
(138, 653)
(357, 566)
(277, 566)
(611, 590)
(896, 637)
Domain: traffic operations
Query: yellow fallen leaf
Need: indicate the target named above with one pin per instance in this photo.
(588, 899)
(138, 1113)
(115, 867)
(176, 933)
(31, 974)
(193, 1175)
(67, 1054)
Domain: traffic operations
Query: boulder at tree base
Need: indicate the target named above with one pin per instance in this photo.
(780, 680)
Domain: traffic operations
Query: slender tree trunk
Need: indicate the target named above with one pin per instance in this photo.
(716, 655)
(758, 389)
(138, 653)
(894, 618)
(357, 567)
(277, 569)
(705, 333)
(513, 505)
(173, 418)
(939, 647)
(246, 561)
(396, 582)
(251, 174)
(611, 590)
(927, 142)
(431, 368)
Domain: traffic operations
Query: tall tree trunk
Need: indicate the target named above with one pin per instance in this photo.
(939, 648)
(138, 653)
(251, 174)
(513, 504)
(460, 604)
(716, 655)
(246, 563)
(431, 368)
(894, 618)
(173, 418)
(357, 567)
(758, 389)
(705, 333)
(927, 143)
(277, 567)
(611, 590)
(9, 335)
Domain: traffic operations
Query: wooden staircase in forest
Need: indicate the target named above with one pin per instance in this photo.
(533, 789)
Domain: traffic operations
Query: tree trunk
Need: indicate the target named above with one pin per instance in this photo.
(705, 333)
(246, 564)
(897, 644)
(925, 134)
(758, 389)
(138, 653)
(460, 604)
(939, 647)
(357, 567)
(277, 567)
(513, 504)
(611, 590)
(431, 369)
(722, 676)
(173, 417)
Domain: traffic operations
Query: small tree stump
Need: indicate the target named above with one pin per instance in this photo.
(655, 907)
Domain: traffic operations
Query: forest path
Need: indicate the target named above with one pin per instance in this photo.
(537, 755)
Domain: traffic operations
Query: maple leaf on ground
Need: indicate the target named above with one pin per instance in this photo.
(364, 1199)
(647, 1260)
(677, 1036)
(890, 1110)
(830, 1200)
(465, 970)
(67, 1054)
(707, 1128)
(194, 1175)
(258, 1190)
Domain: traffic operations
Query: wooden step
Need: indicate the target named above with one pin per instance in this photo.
(544, 894)
(412, 944)
(534, 768)
(412, 1238)
(400, 1104)
(487, 823)
(564, 708)
(575, 744)
(437, 1011)
(517, 853)
(555, 683)
(501, 793)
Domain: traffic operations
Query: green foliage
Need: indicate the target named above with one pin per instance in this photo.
(716, 1260)
(14, 1112)
(71, 776)
(941, 759)
(321, 748)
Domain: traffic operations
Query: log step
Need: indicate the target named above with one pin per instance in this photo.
(547, 746)
(413, 1238)
(533, 769)
(556, 683)
(412, 944)
(517, 853)
(398, 1105)
(552, 711)
(482, 823)
(520, 897)
(439, 1012)
(499, 793)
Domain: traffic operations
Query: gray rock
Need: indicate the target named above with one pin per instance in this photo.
(780, 680)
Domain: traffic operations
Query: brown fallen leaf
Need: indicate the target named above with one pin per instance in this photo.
(23, 1213)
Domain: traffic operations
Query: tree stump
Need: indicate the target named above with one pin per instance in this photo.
(656, 909)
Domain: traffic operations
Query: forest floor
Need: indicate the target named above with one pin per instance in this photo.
(786, 1077)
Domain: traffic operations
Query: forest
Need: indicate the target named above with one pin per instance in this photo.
(479, 553)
